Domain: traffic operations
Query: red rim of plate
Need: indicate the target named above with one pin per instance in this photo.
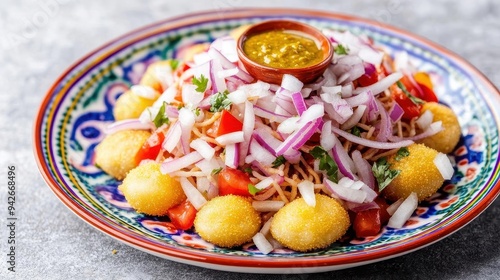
(238, 261)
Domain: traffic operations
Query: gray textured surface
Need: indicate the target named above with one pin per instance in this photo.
(37, 44)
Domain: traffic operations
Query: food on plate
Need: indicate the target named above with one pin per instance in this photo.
(301, 227)
(117, 152)
(130, 106)
(446, 140)
(287, 164)
(151, 192)
(227, 221)
(417, 174)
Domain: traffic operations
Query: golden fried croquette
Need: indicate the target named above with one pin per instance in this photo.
(150, 77)
(227, 221)
(130, 106)
(301, 227)
(418, 174)
(446, 140)
(116, 153)
(149, 191)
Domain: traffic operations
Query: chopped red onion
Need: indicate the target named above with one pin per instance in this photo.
(262, 244)
(433, 129)
(298, 102)
(404, 211)
(344, 193)
(364, 169)
(186, 119)
(264, 183)
(218, 84)
(425, 120)
(396, 112)
(268, 206)
(173, 137)
(260, 154)
(267, 225)
(371, 143)
(306, 190)
(360, 207)
(271, 116)
(342, 160)
(230, 138)
(444, 166)
(327, 139)
(394, 206)
(381, 85)
(130, 124)
(291, 83)
(232, 155)
(385, 128)
(177, 164)
(192, 194)
(202, 147)
(248, 127)
(355, 118)
(207, 166)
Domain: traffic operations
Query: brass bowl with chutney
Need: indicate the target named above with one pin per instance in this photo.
(272, 48)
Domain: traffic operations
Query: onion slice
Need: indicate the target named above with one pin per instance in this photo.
(193, 195)
(306, 189)
(444, 166)
(404, 211)
(268, 205)
(371, 143)
(262, 244)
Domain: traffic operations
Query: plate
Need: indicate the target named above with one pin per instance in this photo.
(78, 106)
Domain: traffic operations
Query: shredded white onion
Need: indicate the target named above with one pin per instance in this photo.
(268, 205)
(306, 189)
(262, 244)
(444, 166)
(193, 195)
(404, 211)
(425, 120)
(202, 147)
(230, 138)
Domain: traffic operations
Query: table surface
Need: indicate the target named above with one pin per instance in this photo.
(41, 38)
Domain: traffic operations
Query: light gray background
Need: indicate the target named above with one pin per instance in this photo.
(37, 44)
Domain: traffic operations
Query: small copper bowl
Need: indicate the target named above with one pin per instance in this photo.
(273, 75)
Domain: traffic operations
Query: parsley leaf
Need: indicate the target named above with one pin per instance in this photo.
(216, 171)
(382, 172)
(340, 49)
(279, 161)
(174, 63)
(252, 189)
(326, 163)
(402, 153)
(219, 102)
(161, 118)
(200, 83)
(356, 131)
(415, 100)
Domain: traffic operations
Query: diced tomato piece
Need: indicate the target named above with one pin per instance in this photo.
(151, 147)
(428, 94)
(233, 181)
(411, 110)
(368, 78)
(228, 123)
(384, 215)
(367, 223)
(182, 216)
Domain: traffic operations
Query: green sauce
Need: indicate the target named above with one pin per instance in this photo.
(279, 49)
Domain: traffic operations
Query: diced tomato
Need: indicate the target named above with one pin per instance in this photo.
(384, 215)
(367, 223)
(182, 216)
(151, 147)
(428, 94)
(411, 110)
(228, 123)
(233, 181)
(368, 78)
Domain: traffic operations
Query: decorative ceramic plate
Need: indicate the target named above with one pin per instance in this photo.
(79, 105)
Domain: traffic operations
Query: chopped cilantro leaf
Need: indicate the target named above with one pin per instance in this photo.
(200, 83)
(161, 118)
(340, 49)
(174, 63)
(216, 171)
(252, 189)
(248, 170)
(219, 102)
(279, 161)
(415, 100)
(402, 153)
(356, 131)
(382, 172)
(326, 163)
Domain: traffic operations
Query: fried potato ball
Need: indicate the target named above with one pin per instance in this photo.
(418, 174)
(149, 191)
(301, 227)
(446, 140)
(150, 77)
(116, 153)
(227, 221)
(130, 106)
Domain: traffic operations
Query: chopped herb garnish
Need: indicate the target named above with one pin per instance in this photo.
(326, 163)
(161, 118)
(279, 161)
(197, 111)
(219, 102)
(248, 170)
(402, 153)
(415, 100)
(340, 49)
(252, 189)
(174, 63)
(383, 173)
(356, 131)
(200, 83)
(216, 171)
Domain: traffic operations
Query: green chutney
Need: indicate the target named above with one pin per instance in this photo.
(279, 49)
